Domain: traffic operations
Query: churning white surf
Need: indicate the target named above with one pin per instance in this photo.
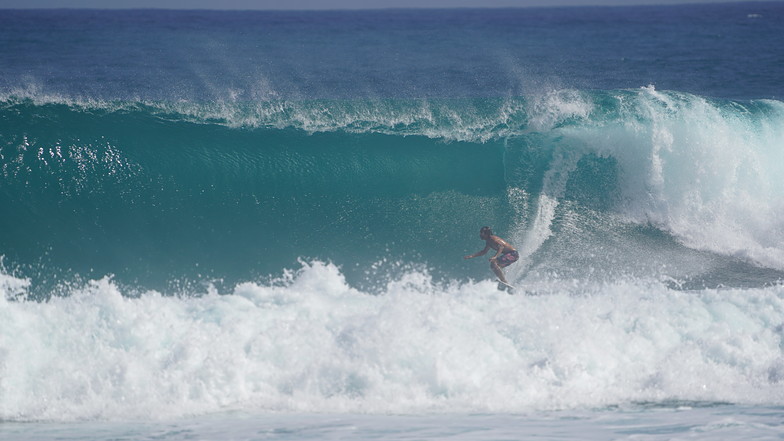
(309, 342)
(706, 171)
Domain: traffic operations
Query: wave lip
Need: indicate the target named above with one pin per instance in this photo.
(450, 119)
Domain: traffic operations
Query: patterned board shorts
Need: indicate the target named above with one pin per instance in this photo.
(507, 258)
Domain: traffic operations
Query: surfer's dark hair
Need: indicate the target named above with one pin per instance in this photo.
(486, 230)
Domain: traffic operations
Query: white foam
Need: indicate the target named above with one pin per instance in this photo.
(710, 175)
(554, 184)
(557, 106)
(309, 342)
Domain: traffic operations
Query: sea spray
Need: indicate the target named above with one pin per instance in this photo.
(699, 169)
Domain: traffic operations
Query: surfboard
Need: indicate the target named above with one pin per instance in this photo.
(505, 287)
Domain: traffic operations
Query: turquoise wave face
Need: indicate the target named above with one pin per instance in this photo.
(146, 198)
(584, 183)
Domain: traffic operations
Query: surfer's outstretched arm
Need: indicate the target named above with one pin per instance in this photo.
(478, 253)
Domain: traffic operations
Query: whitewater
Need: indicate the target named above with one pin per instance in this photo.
(255, 230)
(311, 343)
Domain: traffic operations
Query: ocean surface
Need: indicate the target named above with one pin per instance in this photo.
(251, 225)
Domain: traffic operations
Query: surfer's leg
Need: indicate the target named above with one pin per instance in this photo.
(503, 261)
(498, 271)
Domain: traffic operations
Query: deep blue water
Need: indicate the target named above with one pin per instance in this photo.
(299, 188)
(728, 51)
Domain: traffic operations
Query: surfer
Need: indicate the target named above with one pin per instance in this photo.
(505, 254)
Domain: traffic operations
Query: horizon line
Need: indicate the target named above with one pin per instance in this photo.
(609, 4)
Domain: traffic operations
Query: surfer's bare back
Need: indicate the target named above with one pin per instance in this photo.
(505, 254)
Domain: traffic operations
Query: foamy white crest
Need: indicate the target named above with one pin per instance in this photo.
(309, 342)
(710, 175)
(37, 94)
(451, 120)
(12, 287)
(556, 107)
